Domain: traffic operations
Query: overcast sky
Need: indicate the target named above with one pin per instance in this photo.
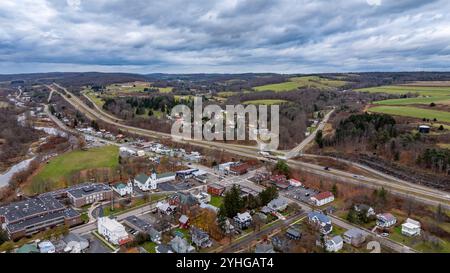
(232, 36)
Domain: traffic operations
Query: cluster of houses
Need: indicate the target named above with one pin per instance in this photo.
(70, 243)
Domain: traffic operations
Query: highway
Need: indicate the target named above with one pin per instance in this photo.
(395, 186)
(298, 150)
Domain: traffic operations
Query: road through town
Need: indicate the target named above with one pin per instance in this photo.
(406, 189)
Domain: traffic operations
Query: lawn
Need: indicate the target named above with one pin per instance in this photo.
(302, 82)
(414, 112)
(185, 233)
(69, 163)
(216, 201)
(149, 246)
(266, 102)
(402, 89)
(419, 244)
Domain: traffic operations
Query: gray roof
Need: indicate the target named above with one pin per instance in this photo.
(278, 202)
(82, 190)
(137, 223)
(22, 214)
(28, 208)
(337, 239)
(198, 233)
(264, 247)
(353, 233)
(320, 216)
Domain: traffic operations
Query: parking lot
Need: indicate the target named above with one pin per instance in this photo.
(301, 194)
(95, 245)
(179, 185)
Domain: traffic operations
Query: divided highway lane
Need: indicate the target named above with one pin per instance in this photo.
(424, 194)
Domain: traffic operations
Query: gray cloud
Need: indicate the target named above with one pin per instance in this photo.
(286, 36)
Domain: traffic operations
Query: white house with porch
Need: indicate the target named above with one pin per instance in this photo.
(411, 227)
(123, 189)
(112, 230)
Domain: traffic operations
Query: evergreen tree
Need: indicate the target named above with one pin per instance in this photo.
(267, 195)
(319, 138)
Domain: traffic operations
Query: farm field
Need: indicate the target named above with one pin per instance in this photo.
(417, 100)
(408, 111)
(404, 89)
(99, 101)
(266, 102)
(134, 87)
(302, 82)
(69, 163)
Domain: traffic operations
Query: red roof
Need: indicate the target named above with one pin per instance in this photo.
(323, 195)
(240, 168)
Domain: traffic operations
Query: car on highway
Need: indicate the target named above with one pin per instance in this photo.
(326, 168)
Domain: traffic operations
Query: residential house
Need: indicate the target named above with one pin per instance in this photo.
(294, 232)
(202, 197)
(210, 207)
(112, 230)
(46, 247)
(184, 221)
(334, 244)
(322, 198)
(184, 201)
(386, 220)
(354, 237)
(163, 249)
(74, 243)
(27, 248)
(364, 208)
(323, 221)
(295, 182)
(124, 189)
(180, 245)
(411, 227)
(280, 181)
(143, 226)
(165, 208)
(264, 247)
(243, 220)
(200, 238)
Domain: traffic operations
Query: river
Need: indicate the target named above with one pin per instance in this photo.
(6, 177)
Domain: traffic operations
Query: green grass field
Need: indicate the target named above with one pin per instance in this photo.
(66, 164)
(414, 112)
(402, 89)
(96, 99)
(216, 201)
(165, 89)
(266, 102)
(302, 82)
(417, 100)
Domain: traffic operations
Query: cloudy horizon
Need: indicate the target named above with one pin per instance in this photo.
(284, 36)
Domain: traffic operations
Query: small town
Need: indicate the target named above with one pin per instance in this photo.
(215, 136)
